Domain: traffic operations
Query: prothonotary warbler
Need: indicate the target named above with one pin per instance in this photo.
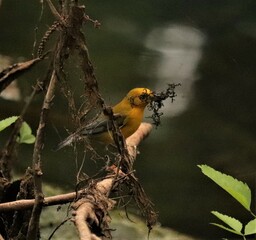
(128, 114)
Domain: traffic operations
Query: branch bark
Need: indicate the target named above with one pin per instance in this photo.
(134, 140)
(37, 171)
(93, 209)
(11, 73)
(87, 209)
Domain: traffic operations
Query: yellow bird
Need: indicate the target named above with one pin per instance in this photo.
(128, 115)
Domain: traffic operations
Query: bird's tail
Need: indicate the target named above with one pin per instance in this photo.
(67, 141)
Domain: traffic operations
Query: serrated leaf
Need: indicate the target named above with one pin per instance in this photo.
(230, 221)
(226, 228)
(250, 227)
(237, 189)
(26, 135)
(7, 122)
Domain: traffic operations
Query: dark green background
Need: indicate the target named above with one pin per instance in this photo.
(218, 127)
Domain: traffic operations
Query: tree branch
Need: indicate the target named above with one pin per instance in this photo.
(103, 186)
(92, 209)
(93, 203)
(55, 12)
(134, 140)
(85, 212)
(37, 171)
(12, 72)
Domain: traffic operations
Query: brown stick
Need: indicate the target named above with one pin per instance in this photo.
(39, 197)
(55, 12)
(86, 211)
(29, 203)
(134, 140)
(11, 73)
(8, 151)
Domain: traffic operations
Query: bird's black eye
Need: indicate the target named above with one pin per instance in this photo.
(144, 97)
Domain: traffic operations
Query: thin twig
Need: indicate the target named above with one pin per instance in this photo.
(54, 231)
(39, 197)
(16, 70)
(8, 150)
(55, 12)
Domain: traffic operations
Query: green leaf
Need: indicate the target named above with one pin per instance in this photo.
(237, 189)
(26, 135)
(230, 221)
(250, 227)
(226, 228)
(7, 122)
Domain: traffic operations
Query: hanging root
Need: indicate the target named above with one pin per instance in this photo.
(46, 37)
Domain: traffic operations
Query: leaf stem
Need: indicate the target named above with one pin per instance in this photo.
(253, 214)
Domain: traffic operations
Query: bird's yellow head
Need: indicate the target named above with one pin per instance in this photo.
(139, 97)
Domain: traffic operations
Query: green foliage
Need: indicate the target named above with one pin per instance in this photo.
(25, 134)
(250, 228)
(234, 224)
(239, 191)
(7, 122)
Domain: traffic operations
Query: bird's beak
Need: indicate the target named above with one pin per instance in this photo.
(150, 97)
(146, 97)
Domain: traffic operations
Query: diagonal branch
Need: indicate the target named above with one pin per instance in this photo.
(93, 208)
(23, 204)
(39, 197)
(55, 12)
(11, 73)
(93, 203)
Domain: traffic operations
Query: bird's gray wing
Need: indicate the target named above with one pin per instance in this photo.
(98, 127)
(94, 128)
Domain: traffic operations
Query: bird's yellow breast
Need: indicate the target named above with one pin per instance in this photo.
(132, 122)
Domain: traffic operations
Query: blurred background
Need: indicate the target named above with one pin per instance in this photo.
(207, 46)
